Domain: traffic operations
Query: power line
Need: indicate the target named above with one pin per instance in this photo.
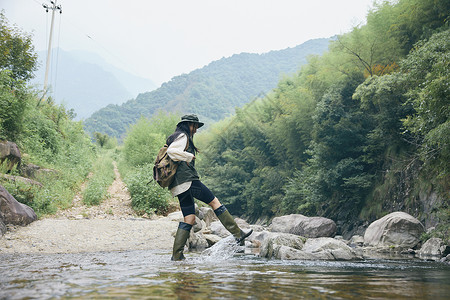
(53, 8)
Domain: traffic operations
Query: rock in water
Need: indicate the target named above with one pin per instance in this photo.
(312, 227)
(397, 229)
(434, 247)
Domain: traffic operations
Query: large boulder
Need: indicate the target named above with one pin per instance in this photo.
(10, 151)
(294, 247)
(288, 253)
(434, 247)
(315, 227)
(14, 212)
(397, 229)
(329, 248)
(286, 223)
(312, 227)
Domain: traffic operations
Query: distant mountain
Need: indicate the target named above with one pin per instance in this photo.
(85, 82)
(213, 92)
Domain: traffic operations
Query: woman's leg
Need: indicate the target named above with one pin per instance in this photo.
(215, 204)
(184, 228)
(201, 192)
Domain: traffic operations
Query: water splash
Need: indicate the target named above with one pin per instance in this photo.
(222, 250)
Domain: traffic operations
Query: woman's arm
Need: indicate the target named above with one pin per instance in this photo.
(176, 149)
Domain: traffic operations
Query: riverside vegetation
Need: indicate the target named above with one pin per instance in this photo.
(358, 132)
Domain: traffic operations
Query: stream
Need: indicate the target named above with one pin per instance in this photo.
(218, 273)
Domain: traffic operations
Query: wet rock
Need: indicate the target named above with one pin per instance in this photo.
(434, 247)
(291, 246)
(329, 248)
(257, 228)
(285, 252)
(212, 239)
(197, 240)
(397, 229)
(312, 227)
(260, 236)
(273, 241)
(14, 212)
(356, 241)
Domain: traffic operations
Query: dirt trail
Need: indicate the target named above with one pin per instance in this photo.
(110, 226)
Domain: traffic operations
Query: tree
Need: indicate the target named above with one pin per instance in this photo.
(101, 138)
(427, 72)
(16, 51)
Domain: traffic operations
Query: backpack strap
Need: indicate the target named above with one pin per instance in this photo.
(187, 145)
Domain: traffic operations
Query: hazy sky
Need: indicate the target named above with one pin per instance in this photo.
(165, 38)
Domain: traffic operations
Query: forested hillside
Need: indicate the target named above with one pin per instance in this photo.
(212, 92)
(359, 132)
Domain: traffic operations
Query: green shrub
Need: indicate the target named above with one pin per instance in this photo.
(141, 145)
(146, 195)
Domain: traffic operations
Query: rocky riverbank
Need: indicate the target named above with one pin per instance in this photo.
(114, 226)
(110, 226)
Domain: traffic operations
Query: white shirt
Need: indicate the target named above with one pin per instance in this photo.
(176, 152)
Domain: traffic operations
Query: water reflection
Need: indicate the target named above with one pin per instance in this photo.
(151, 275)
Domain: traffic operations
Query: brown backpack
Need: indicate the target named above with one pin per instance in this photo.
(165, 168)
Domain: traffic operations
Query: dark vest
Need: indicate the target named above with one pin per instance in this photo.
(185, 172)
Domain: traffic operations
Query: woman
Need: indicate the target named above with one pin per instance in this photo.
(187, 186)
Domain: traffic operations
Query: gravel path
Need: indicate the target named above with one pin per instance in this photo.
(111, 226)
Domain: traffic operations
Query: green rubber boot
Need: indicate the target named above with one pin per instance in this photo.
(183, 231)
(228, 222)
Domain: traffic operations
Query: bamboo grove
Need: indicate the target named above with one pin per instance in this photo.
(356, 133)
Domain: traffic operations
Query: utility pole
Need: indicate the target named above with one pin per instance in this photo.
(53, 7)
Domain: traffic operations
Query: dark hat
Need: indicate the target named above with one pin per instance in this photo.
(192, 119)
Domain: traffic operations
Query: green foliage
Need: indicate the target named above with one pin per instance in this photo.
(44, 131)
(146, 195)
(146, 137)
(331, 140)
(101, 139)
(13, 103)
(16, 52)
(97, 187)
(427, 73)
(137, 156)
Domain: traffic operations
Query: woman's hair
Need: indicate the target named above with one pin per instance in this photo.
(182, 127)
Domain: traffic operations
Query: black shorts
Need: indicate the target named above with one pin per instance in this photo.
(197, 190)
